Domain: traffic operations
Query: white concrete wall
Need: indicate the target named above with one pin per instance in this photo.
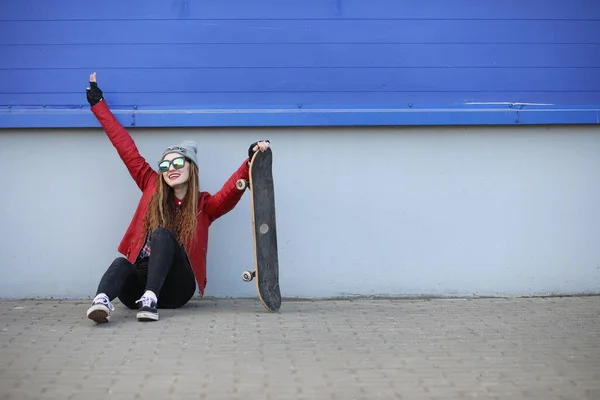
(395, 211)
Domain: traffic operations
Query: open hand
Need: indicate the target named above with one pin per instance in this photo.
(94, 94)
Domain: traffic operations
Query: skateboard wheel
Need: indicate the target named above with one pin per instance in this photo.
(247, 276)
(241, 184)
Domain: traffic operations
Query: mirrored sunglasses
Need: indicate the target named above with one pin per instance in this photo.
(178, 163)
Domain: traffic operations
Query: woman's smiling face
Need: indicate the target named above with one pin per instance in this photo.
(177, 169)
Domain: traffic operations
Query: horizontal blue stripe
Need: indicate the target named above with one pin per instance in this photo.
(267, 9)
(125, 32)
(475, 115)
(101, 57)
(242, 80)
(232, 100)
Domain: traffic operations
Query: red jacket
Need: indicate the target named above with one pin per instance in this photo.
(210, 207)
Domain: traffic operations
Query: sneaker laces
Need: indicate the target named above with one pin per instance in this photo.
(105, 301)
(146, 301)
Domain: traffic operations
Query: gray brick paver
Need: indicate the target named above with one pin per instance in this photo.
(351, 349)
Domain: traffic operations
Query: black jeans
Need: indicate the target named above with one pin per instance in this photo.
(166, 272)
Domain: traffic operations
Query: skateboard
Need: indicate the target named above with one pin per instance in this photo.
(264, 230)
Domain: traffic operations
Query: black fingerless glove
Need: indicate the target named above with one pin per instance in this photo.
(94, 94)
(251, 152)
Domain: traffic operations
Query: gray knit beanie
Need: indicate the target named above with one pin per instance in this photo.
(187, 148)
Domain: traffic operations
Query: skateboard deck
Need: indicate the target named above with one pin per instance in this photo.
(264, 230)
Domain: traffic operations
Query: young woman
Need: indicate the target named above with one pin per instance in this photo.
(165, 244)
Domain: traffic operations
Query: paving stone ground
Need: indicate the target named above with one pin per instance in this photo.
(541, 348)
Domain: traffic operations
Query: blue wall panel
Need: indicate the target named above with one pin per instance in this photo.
(316, 62)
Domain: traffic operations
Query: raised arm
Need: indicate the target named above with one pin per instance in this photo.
(227, 198)
(141, 172)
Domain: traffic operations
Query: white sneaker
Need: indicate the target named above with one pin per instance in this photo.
(100, 310)
(147, 310)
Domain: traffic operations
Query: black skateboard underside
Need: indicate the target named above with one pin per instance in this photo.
(265, 230)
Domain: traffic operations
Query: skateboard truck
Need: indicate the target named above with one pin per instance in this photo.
(247, 276)
(242, 184)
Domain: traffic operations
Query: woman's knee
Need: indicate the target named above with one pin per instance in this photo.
(120, 265)
(121, 262)
(162, 233)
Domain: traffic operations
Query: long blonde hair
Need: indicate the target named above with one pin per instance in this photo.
(162, 211)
